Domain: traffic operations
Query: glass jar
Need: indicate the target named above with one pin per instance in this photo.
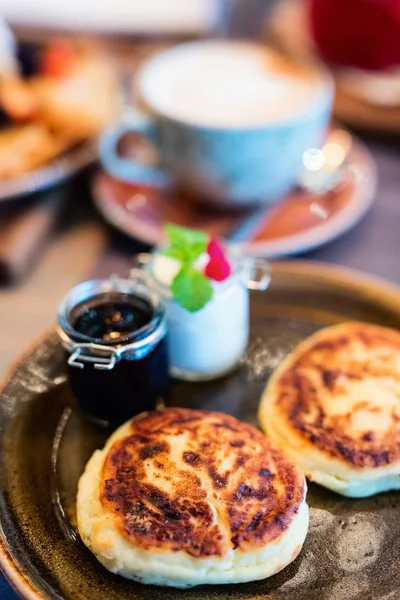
(114, 333)
(209, 343)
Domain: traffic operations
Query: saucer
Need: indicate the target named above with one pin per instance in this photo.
(289, 29)
(298, 223)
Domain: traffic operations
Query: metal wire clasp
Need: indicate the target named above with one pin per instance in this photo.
(104, 360)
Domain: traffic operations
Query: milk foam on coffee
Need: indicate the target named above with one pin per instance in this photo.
(227, 84)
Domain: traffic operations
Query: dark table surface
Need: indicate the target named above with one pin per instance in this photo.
(86, 247)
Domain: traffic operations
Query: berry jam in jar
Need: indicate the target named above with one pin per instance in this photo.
(114, 332)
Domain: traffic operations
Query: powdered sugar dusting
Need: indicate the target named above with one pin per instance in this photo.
(260, 359)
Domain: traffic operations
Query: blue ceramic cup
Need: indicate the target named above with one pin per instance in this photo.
(230, 121)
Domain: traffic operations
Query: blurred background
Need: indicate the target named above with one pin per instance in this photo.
(67, 72)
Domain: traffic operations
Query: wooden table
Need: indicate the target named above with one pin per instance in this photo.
(86, 247)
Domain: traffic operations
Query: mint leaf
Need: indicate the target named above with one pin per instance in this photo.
(182, 236)
(177, 253)
(191, 289)
(185, 244)
(196, 250)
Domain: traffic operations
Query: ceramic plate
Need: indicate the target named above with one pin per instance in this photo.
(298, 223)
(353, 547)
(177, 17)
(53, 173)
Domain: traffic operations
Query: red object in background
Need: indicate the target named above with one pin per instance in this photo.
(58, 59)
(361, 33)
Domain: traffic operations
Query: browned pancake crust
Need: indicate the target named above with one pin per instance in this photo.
(256, 492)
(334, 358)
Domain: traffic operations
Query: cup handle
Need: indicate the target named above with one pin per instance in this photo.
(126, 169)
(259, 275)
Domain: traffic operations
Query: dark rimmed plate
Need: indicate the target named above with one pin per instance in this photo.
(353, 548)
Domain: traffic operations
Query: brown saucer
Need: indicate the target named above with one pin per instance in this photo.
(298, 223)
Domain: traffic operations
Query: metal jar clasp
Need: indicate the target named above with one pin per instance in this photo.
(104, 359)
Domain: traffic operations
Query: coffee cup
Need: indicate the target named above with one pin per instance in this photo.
(230, 121)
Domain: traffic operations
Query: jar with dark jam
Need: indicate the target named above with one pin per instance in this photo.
(114, 332)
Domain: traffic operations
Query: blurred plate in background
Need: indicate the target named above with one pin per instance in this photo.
(53, 173)
(113, 16)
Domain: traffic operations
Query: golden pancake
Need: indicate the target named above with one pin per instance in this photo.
(182, 497)
(333, 405)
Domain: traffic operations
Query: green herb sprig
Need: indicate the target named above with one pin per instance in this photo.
(190, 288)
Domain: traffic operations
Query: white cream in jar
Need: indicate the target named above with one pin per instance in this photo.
(210, 342)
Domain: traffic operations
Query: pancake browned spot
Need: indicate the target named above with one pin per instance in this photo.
(205, 498)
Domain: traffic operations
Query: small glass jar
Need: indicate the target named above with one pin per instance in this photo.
(120, 374)
(209, 343)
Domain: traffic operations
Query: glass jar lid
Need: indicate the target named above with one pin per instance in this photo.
(103, 352)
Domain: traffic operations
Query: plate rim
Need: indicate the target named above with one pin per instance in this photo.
(373, 286)
(340, 223)
(9, 567)
(52, 173)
